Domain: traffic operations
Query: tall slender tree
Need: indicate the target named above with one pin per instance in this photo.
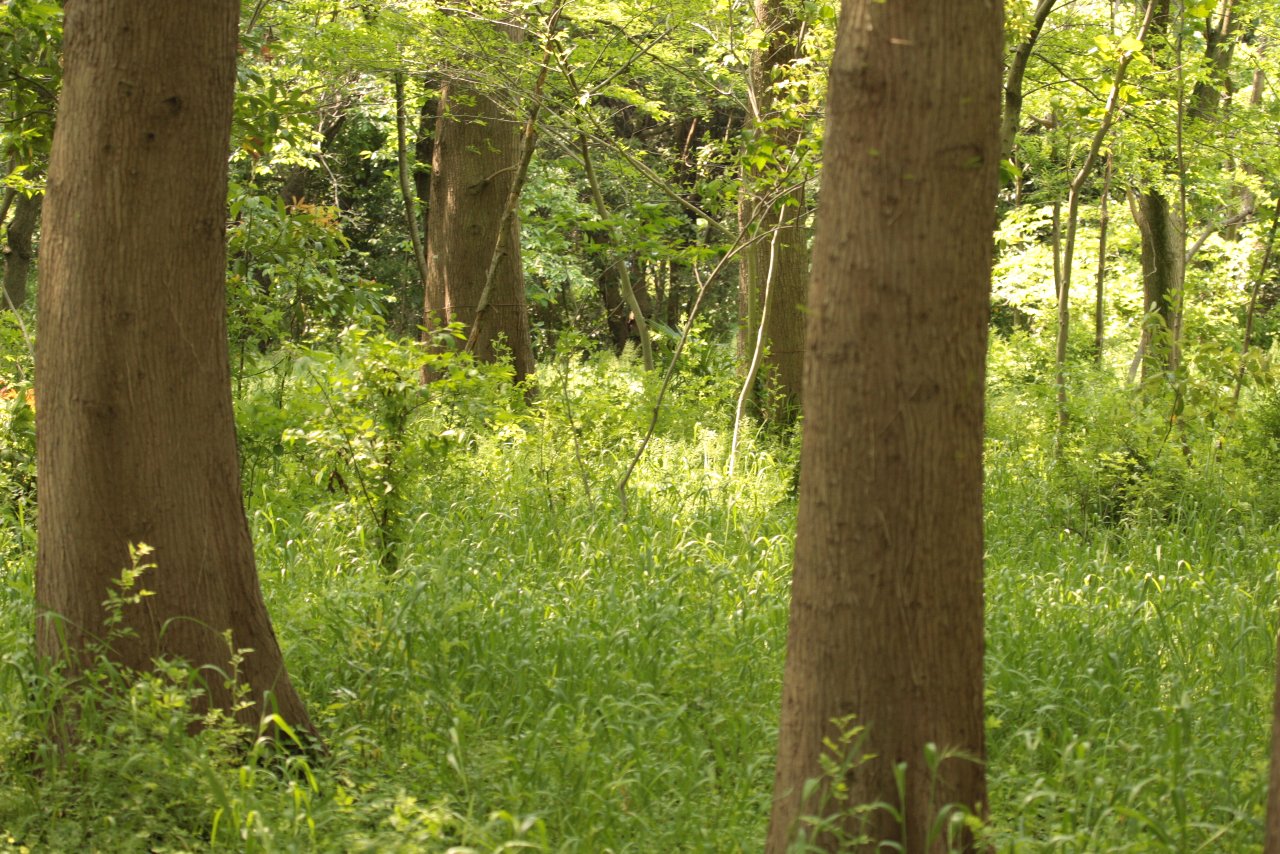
(1161, 226)
(887, 605)
(408, 187)
(1065, 266)
(136, 437)
(1013, 79)
(774, 277)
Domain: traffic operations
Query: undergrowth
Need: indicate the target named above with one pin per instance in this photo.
(500, 656)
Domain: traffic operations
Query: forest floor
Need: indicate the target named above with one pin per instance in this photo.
(539, 666)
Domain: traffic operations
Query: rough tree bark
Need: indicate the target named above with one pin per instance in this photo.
(18, 253)
(136, 437)
(475, 159)
(887, 605)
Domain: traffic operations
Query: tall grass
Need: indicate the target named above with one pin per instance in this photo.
(541, 668)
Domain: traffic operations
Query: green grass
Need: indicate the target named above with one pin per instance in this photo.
(540, 669)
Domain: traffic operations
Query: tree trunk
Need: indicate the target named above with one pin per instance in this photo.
(1219, 45)
(136, 436)
(1062, 288)
(6, 200)
(1063, 275)
(886, 613)
(1162, 275)
(475, 160)
(1161, 234)
(640, 284)
(1209, 95)
(18, 253)
(423, 153)
(661, 277)
(1013, 81)
(620, 269)
(675, 290)
(1099, 308)
(410, 296)
(607, 279)
(775, 274)
(407, 186)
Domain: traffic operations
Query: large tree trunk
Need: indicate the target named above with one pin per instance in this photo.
(775, 272)
(475, 160)
(886, 612)
(136, 436)
(18, 252)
